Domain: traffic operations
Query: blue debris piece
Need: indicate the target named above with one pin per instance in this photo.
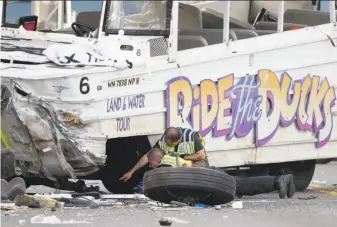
(201, 205)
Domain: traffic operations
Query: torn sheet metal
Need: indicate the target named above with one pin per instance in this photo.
(51, 144)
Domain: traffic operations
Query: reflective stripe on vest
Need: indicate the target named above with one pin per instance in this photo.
(172, 161)
(186, 145)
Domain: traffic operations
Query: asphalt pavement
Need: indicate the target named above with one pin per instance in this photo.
(315, 207)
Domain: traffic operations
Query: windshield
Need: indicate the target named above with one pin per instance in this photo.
(138, 17)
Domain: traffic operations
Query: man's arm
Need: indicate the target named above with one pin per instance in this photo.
(141, 163)
(144, 160)
(199, 151)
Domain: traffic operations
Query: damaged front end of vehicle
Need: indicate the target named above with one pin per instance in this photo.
(47, 141)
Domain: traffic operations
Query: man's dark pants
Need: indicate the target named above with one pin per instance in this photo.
(253, 185)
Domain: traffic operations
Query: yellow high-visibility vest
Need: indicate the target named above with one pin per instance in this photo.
(186, 145)
(172, 161)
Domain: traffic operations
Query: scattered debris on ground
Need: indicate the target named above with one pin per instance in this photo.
(94, 201)
(42, 219)
(36, 202)
(317, 182)
(237, 205)
(307, 198)
(179, 204)
(7, 207)
(176, 220)
(165, 222)
(218, 207)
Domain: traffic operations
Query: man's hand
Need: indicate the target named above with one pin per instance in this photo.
(198, 156)
(126, 176)
(141, 163)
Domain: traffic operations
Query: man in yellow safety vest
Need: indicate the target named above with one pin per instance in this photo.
(187, 143)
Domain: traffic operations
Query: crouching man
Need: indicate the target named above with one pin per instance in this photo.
(284, 184)
(189, 145)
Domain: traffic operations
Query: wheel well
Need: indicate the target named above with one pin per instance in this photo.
(122, 154)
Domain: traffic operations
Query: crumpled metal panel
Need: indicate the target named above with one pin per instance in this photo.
(52, 141)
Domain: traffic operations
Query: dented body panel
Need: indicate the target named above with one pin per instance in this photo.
(267, 99)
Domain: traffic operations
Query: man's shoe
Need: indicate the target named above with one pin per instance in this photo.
(291, 186)
(4, 194)
(15, 187)
(284, 185)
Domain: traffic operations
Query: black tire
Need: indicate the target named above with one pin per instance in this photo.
(302, 173)
(206, 186)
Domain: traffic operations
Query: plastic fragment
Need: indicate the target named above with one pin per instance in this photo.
(165, 222)
(178, 204)
(201, 205)
(217, 207)
(237, 205)
(177, 220)
(42, 219)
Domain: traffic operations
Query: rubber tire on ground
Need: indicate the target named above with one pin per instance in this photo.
(302, 174)
(220, 185)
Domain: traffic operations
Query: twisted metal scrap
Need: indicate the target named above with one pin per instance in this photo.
(5, 98)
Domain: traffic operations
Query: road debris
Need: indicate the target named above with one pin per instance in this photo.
(217, 207)
(199, 205)
(126, 196)
(36, 202)
(165, 222)
(318, 182)
(168, 208)
(95, 195)
(237, 205)
(7, 207)
(178, 204)
(177, 220)
(95, 200)
(308, 198)
(159, 204)
(42, 219)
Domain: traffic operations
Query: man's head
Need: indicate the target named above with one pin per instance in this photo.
(172, 136)
(155, 155)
